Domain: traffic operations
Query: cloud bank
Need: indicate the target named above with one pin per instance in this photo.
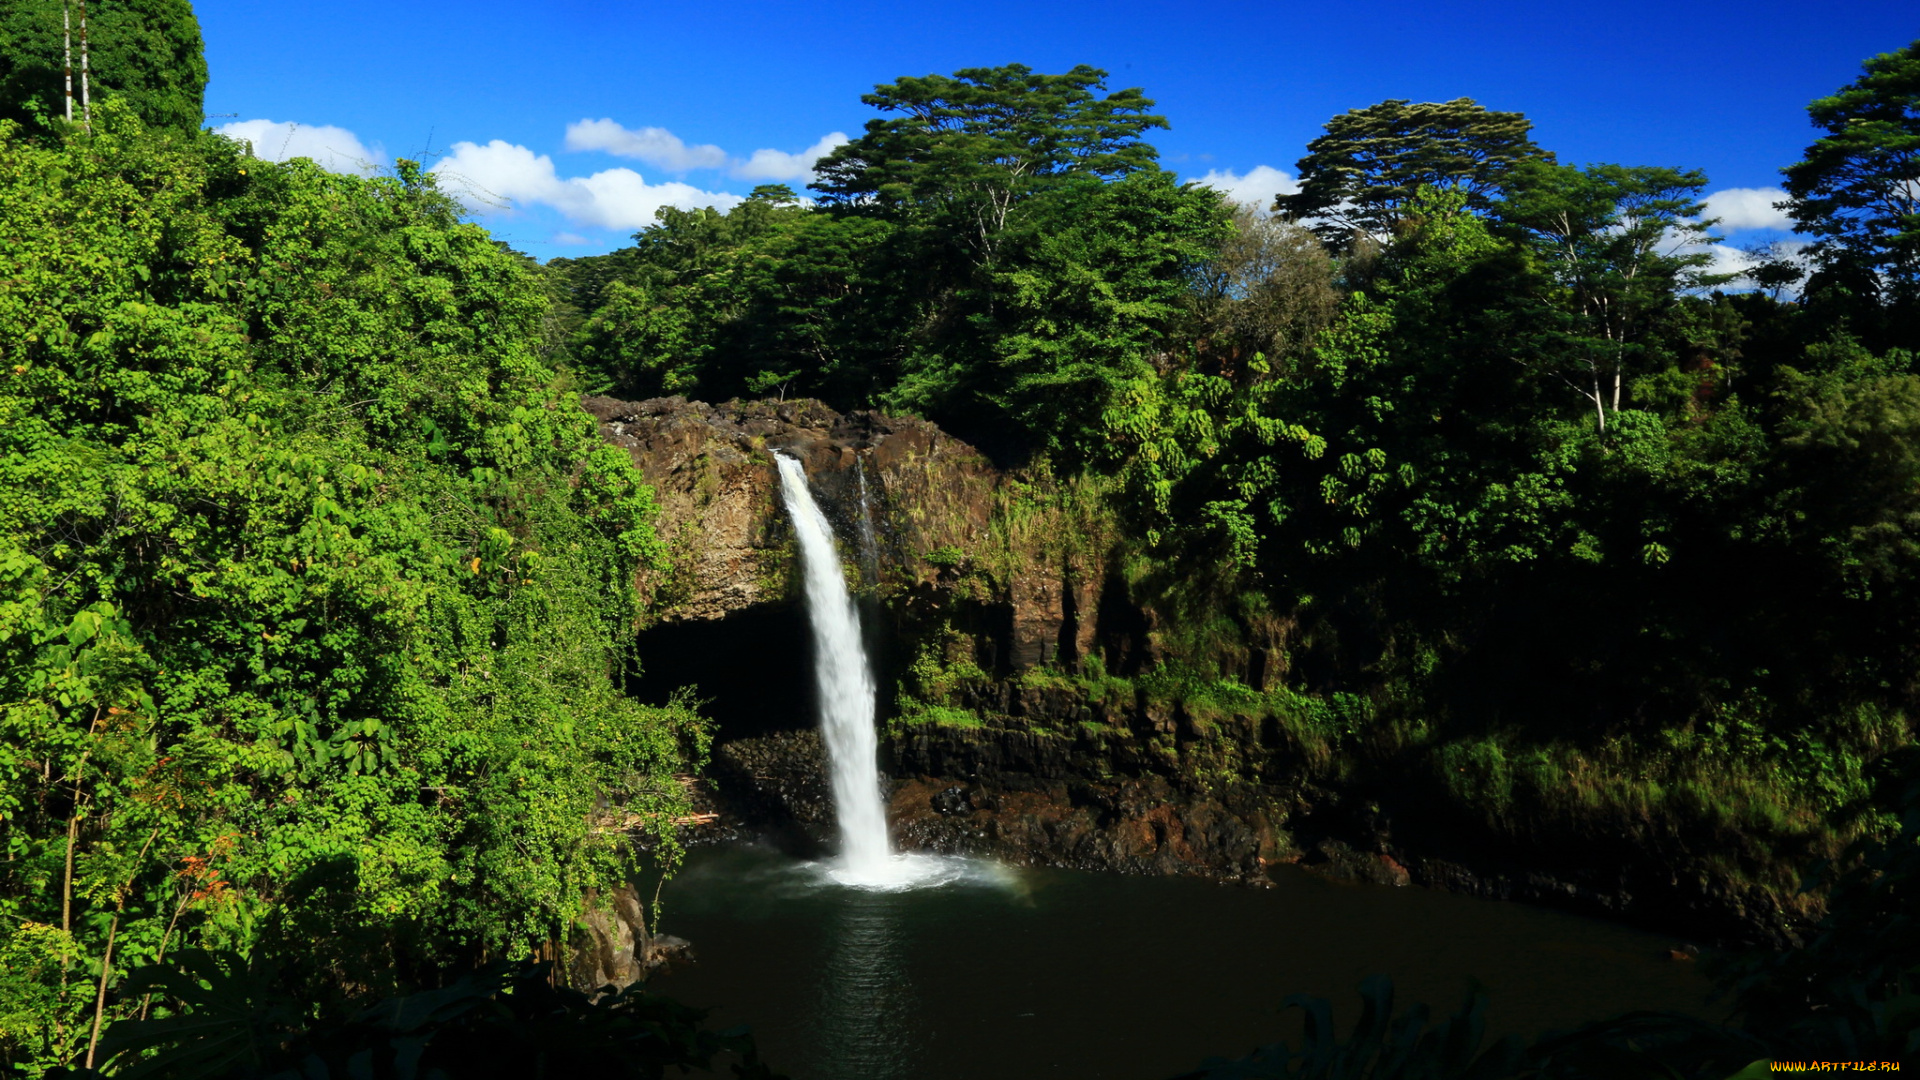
(492, 178)
(775, 165)
(334, 149)
(1257, 186)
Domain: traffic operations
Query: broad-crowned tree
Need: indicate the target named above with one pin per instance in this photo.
(1620, 242)
(965, 149)
(1362, 175)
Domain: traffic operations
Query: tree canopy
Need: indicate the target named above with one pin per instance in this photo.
(967, 147)
(314, 583)
(145, 52)
(1362, 175)
(1857, 189)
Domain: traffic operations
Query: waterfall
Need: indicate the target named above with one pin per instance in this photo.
(846, 687)
(869, 544)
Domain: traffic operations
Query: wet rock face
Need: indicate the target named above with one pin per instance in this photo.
(924, 515)
(712, 471)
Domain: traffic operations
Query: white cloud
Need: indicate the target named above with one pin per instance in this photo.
(491, 178)
(655, 146)
(332, 148)
(777, 165)
(1726, 260)
(664, 149)
(569, 239)
(1257, 186)
(1740, 209)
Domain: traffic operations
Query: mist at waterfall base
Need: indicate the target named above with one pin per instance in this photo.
(876, 965)
(845, 683)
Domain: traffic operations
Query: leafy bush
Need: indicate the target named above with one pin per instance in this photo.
(312, 577)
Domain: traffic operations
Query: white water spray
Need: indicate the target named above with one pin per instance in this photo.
(846, 688)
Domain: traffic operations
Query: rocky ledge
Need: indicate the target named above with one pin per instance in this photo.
(1144, 791)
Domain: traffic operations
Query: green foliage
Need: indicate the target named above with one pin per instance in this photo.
(1853, 991)
(313, 582)
(1002, 257)
(968, 148)
(1854, 190)
(1096, 289)
(1619, 244)
(146, 53)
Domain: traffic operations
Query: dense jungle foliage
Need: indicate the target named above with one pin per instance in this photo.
(316, 587)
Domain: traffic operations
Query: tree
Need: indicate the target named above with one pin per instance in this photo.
(966, 149)
(1091, 296)
(145, 52)
(1268, 291)
(311, 581)
(1362, 175)
(1620, 242)
(1858, 187)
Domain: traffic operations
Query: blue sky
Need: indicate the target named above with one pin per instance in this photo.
(566, 123)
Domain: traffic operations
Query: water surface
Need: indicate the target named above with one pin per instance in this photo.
(1012, 974)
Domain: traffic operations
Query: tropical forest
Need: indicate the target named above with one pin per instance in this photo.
(996, 610)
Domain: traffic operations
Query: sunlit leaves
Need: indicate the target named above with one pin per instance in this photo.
(312, 573)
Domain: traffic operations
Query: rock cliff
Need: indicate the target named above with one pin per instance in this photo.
(920, 505)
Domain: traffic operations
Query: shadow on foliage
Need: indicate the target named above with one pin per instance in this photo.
(232, 1020)
(1848, 994)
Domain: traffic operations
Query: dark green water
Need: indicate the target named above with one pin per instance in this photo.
(1018, 973)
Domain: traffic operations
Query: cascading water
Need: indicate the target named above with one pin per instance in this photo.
(846, 710)
(845, 684)
(869, 543)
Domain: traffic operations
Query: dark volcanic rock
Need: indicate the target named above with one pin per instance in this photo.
(611, 945)
(953, 800)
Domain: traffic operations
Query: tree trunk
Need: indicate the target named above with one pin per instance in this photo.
(86, 95)
(66, 887)
(100, 999)
(66, 45)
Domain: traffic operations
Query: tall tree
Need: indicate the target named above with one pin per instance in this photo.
(1858, 187)
(145, 52)
(1362, 175)
(965, 149)
(1620, 242)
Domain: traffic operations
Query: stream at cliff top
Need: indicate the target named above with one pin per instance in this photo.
(1011, 973)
